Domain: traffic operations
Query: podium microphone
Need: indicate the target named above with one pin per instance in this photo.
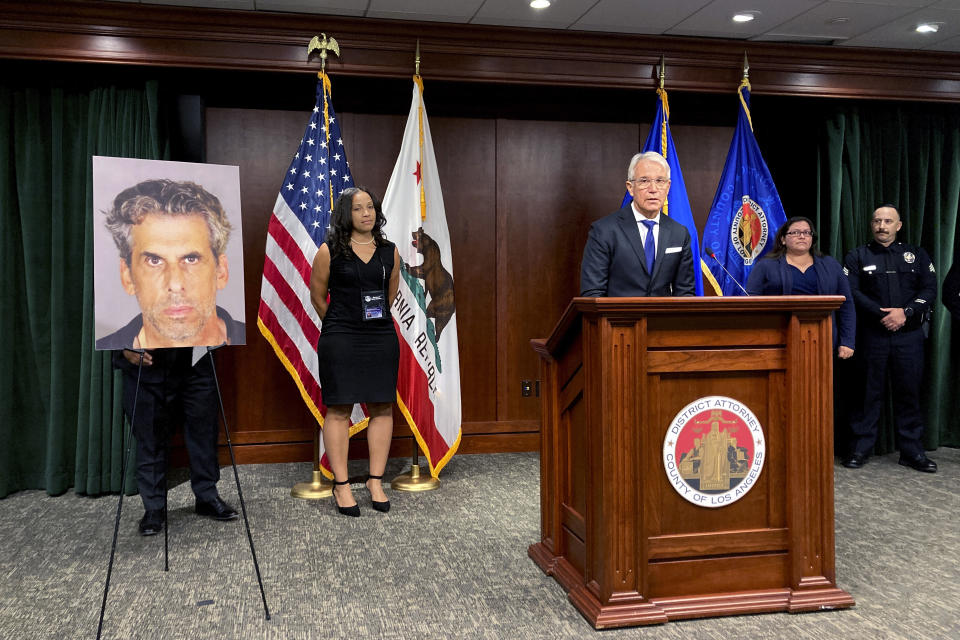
(730, 275)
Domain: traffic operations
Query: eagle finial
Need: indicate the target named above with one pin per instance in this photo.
(324, 44)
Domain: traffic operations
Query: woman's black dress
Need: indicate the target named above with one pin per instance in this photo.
(358, 359)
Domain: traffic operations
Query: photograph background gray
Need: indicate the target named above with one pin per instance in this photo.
(113, 308)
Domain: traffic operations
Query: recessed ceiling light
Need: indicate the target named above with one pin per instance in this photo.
(745, 16)
(539, 4)
(838, 20)
(928, 27)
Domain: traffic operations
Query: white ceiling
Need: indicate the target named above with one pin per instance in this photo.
(851, 23)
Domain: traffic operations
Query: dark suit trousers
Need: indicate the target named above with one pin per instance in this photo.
(900, 354)
(186, 395)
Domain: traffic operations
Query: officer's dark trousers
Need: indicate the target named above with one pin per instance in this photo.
(189, 395)
(901, 355)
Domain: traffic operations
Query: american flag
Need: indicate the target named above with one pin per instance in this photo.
(317, 175)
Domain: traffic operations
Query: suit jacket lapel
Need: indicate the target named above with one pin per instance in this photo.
(628, 224)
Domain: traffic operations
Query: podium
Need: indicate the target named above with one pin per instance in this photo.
(626, 527)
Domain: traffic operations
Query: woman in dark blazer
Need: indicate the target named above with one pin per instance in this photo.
(794, 267)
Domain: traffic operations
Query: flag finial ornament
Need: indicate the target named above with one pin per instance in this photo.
(662, 72)
(416, 61)
(746, 67)
(324, 44)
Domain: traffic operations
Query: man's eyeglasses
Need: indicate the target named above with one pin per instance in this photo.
(800, 234)
(643, 183)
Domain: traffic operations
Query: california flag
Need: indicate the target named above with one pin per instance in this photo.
(428, 387)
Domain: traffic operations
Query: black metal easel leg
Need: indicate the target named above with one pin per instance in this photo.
(236, 476)
(128, 438)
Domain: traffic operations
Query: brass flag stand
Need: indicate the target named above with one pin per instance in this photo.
(413, 481)
(318, 487)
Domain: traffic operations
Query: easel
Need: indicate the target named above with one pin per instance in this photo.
(128, 438)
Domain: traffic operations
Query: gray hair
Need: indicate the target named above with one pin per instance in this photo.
(651, 156)
(167, 198)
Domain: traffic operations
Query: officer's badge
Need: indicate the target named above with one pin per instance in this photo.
(909, 258)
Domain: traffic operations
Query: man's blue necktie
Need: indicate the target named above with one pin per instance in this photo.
(650, 245)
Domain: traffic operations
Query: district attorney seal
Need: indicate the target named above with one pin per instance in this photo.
(714, 451)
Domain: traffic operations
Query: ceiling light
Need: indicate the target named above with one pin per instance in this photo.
(838, 20)
(928, 27)
(745, 16)
(539, 4)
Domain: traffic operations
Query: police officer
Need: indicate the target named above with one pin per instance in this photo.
(893, 285)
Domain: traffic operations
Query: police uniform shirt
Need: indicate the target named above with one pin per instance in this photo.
(900, 275)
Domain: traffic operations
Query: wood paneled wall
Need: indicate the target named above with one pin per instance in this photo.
(525, 169)
(520, 196)
(147, 34)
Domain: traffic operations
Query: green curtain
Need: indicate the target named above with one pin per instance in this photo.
(907, 155)
(60, 419)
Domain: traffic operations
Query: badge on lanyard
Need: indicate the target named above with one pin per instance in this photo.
(373, 302)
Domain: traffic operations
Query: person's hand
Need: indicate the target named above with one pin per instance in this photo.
(845, 352)
(133, 357)
(894, 319)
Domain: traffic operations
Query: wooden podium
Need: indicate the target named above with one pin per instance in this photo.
(615, 533)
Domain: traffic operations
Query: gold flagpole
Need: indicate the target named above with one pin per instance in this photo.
(745, 82)
(413, 481)
(318, 487)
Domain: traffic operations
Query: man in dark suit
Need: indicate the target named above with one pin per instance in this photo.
(172, 390)
(638, 251)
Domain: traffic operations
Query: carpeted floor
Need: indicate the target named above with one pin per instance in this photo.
(450, 563)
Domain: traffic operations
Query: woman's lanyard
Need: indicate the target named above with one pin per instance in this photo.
(373, 302)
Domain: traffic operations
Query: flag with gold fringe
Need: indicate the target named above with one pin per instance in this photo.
(746, 210)
(317, 175)
(424, 310)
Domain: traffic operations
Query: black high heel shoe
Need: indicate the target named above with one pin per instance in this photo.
(382, 507)
(354, 511)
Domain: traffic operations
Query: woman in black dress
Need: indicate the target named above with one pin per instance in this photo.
(358, 351)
